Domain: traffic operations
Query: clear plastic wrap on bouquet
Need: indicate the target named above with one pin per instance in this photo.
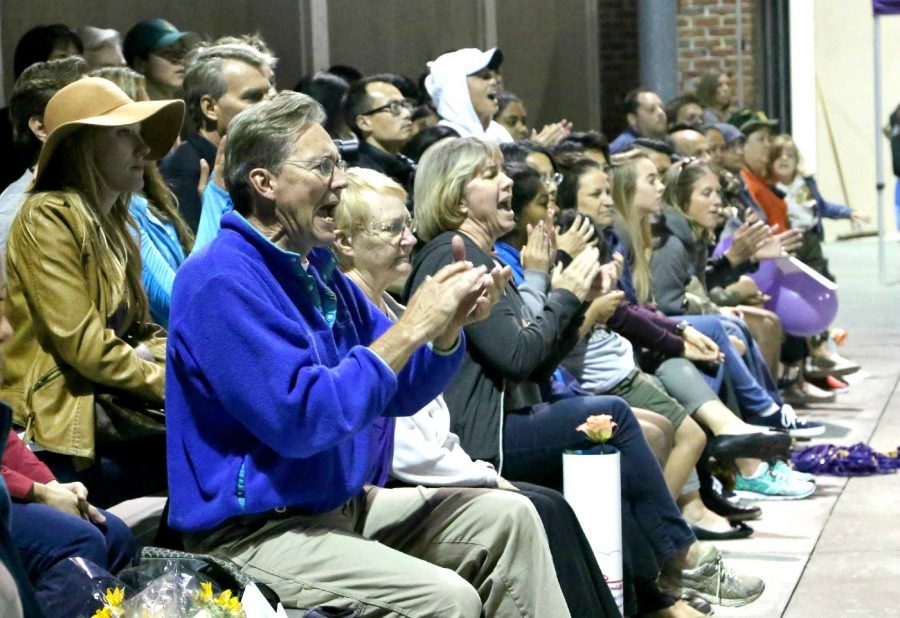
(171, 588)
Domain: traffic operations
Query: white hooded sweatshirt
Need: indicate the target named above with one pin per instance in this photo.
(446, 83)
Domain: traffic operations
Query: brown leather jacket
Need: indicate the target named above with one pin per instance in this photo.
(59, 305)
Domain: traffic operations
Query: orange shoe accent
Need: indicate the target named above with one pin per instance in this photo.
(839, 335)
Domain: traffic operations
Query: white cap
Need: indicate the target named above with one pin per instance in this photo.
(470, 59)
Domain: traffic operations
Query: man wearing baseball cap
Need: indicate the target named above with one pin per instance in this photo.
(463, 85)
(726, 147)
(758, 128)
(156, 48)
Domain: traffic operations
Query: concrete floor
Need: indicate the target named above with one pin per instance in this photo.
(837, 553)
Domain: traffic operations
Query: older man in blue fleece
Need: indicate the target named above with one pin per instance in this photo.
(282, 384)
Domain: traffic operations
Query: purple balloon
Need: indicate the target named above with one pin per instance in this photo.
(723, 246)
(765, 275)
(805, 301)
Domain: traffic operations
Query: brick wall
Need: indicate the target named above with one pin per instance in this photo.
(707, 40)
(619, 70)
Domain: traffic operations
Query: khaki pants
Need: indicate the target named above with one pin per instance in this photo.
(416, 551)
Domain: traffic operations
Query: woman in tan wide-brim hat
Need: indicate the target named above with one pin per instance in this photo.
(85, 368)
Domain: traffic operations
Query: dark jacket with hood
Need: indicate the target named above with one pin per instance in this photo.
(508, 358)
(678, 256)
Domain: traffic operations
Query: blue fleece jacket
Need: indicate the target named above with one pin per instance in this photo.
(272, 397)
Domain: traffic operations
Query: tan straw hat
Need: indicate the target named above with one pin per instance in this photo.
(93, 101)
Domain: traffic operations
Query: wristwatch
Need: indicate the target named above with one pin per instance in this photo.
(681, 327)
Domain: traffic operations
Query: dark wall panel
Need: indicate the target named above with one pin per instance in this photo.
(549, 61)
(400, 35)
(550, 46)
(278, 21)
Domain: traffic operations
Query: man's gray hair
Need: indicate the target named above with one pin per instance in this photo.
(204, 76)
(263, 136)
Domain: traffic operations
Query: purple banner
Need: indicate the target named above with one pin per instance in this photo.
(886, 7)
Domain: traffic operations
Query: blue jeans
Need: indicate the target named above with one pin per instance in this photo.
(534, 439)
(45, 537)
(753, 356)
(751, 396)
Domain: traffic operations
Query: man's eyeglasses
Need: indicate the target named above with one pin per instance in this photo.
(394, 228)
(553, 180)
(394, 107)
(324, 166)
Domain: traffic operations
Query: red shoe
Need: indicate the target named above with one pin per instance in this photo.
(837, 385)
(830, 383)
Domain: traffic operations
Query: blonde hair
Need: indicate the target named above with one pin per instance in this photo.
(680, 181)
(160, 199)
(624, 186)
(365, 188)
(72, 176)
(441, 178)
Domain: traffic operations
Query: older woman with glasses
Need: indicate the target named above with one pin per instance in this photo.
(500, 402)
(374, 241)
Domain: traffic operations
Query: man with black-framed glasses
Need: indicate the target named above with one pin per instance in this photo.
(382, 118)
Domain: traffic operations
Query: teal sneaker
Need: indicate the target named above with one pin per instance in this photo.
(782, 468)
(771, 485)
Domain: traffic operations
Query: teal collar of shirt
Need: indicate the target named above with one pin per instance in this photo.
(313, 281)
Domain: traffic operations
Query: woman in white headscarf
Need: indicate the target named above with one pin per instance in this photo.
(464, 85)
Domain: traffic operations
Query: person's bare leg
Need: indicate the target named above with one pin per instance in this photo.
(689, 444)
(659, 433)
(696, 514)
(766, 330)
(715, 416)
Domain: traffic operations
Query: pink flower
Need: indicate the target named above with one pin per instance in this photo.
(598, 428)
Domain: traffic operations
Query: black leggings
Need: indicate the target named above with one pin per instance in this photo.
(580, 579)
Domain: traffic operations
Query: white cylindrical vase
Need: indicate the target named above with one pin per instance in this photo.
(592, 485)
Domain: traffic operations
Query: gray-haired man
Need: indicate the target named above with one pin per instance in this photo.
(280, 433)
(220, 82)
